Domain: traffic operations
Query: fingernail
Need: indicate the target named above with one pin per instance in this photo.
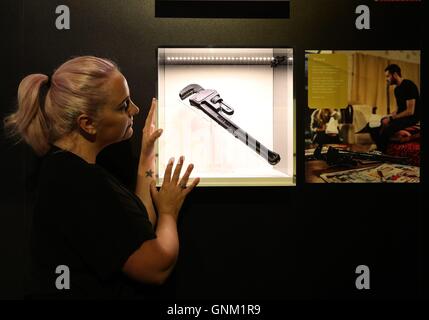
(171, 161)
(160, 131)
(153, 99)
(191, 165)
(181, 159)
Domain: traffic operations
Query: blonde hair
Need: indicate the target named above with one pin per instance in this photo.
(76, 87)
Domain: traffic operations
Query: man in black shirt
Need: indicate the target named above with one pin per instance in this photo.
(408, 107)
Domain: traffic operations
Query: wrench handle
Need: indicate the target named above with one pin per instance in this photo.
(272, 157)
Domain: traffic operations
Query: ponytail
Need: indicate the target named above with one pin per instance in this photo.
(29, 123)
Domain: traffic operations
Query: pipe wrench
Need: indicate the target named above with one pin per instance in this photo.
(210, 102)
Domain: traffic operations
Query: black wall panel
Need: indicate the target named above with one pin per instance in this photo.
(256, 243)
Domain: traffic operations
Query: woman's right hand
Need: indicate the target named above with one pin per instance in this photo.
(169, 199)
(150, 135)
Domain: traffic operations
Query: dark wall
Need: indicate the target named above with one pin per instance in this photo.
(279, 243)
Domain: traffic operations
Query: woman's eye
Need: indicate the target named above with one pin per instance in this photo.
(126, 104)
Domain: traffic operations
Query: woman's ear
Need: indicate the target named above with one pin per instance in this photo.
(87, 124)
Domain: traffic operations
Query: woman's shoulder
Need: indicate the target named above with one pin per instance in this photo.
(64, 160)
(63, 168)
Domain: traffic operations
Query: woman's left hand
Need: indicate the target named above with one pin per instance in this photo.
(147, 154)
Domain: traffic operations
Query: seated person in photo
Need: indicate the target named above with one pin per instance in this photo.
(324, 125)
(408, 108)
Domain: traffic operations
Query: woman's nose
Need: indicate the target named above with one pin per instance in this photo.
(134, 109)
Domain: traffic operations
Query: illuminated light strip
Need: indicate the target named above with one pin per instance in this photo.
(222, 58)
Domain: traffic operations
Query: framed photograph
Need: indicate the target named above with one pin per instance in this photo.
(368, 102)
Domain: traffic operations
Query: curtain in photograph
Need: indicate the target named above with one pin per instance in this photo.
(368, 82)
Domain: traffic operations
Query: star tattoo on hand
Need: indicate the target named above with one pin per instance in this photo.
(149, 173)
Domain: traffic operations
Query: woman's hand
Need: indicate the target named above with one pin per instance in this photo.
(169, 199)
(154, 261)
(146, 168)
(147, 154)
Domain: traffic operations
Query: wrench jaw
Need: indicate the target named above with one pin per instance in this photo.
(201, 99)
(208, 97)
(189, 90)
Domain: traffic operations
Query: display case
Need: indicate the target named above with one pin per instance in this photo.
(230, 112)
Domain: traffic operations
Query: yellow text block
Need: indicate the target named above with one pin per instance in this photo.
(327, 81)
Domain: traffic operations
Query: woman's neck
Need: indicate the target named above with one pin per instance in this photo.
(81, 147)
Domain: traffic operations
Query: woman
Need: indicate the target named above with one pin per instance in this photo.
(91, 236)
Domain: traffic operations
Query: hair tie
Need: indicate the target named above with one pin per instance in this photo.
(48, 83)
(43, 92)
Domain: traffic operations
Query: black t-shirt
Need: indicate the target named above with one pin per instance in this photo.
(407, 91)
(86, 220)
